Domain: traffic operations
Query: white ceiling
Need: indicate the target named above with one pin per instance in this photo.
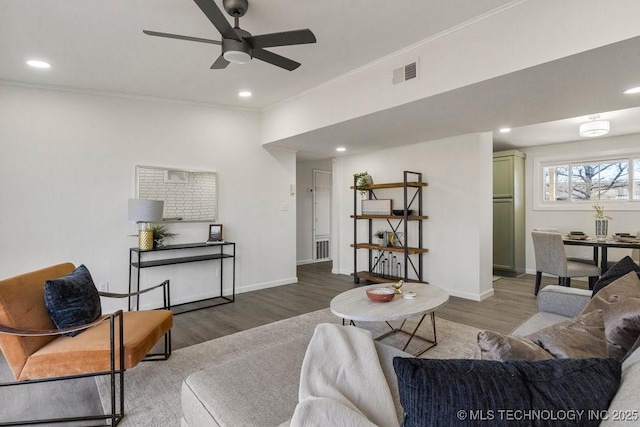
(543, 105)
(98, 45)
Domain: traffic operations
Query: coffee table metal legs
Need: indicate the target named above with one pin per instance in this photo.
(432, 342)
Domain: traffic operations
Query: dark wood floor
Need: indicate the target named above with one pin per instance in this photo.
(512, 303)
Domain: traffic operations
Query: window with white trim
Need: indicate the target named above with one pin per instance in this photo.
(610, 180)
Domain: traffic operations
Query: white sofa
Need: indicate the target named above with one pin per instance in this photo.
(261, 388)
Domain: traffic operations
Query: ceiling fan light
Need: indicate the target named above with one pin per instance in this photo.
(237, 56)
(594, 128)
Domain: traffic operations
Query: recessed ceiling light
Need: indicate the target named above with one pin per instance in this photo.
(244, 94)
(632, 90)
(341, 149)
(505, 130)
(38, 64)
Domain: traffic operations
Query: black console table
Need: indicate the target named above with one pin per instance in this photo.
(220, 252)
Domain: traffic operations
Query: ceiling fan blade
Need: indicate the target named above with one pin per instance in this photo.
(220, 63)
(179, 37)
(285, 38)
(218, 20)
(277, 60)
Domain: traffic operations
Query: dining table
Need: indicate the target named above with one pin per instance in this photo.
(600, 246)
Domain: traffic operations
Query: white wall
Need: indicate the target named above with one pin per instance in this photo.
(457, 200)
(67, 169)
(627, 220)
(521, 35)
(304, 210)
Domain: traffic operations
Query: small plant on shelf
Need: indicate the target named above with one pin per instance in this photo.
(362, 180)
(160, 233)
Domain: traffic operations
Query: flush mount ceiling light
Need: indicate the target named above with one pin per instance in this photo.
(594, 127)
(244, 94)
(632, 90)
(341, 149)
(38, 64)
(505, 130)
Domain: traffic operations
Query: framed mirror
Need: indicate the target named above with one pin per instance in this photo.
(188, 195)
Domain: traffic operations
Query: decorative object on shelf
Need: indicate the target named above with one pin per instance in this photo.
(380, 235)
(376, 206)
(397, 285)
(389, 239)
(602, 222)
(160, 233)
(594, 127)
(398, 239)
(362, 181)
(144, 212)
(381, 294)
(400, 212)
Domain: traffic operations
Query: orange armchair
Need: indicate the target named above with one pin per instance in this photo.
(36, 351)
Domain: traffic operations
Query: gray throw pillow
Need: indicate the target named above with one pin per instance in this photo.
(578, 338)
(616, 271)
(496, 346)
(620, 303)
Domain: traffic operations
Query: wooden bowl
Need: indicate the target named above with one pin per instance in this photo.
(381, 294)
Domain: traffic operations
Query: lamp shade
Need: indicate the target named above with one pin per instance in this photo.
(594, 128)
(141, 210)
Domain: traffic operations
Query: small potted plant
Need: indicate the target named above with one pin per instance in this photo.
(160, 233)
(380, 235)
(362, 181)
(602, 222)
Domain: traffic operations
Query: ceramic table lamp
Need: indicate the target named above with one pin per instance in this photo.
(145, 212)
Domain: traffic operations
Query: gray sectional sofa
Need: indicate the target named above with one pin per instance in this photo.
(261, 388)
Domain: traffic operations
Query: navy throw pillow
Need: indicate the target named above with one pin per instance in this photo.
(616, 271)
(486, 392)
(72, 300)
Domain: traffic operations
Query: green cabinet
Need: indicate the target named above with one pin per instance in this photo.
(508, 213)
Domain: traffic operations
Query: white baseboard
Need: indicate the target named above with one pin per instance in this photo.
(265, 285)
(208, 295)
(470, 296)
(305, 261)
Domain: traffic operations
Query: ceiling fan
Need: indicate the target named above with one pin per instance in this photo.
(238, 45)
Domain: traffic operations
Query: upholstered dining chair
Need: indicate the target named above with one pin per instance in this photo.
(551, 258)
(635, 253)
(569, 258)
(37, 351)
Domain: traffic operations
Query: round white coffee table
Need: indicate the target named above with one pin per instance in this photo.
(354, 305)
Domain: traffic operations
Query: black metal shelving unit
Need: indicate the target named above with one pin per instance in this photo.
(412, 186)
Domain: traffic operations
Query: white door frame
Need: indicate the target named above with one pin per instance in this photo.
(322, 241)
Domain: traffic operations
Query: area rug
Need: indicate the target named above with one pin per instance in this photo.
(152, 389)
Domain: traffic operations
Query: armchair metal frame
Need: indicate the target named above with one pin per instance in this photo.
(116, 374)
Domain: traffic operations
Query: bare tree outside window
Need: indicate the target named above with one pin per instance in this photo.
(602, 180)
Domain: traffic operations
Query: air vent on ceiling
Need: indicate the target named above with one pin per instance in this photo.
(408, 72)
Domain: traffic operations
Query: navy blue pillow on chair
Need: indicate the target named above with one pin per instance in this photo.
(482, 392)
(616, 271)
(72, 300)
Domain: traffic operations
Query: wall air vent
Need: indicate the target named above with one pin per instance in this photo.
(408, 72)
